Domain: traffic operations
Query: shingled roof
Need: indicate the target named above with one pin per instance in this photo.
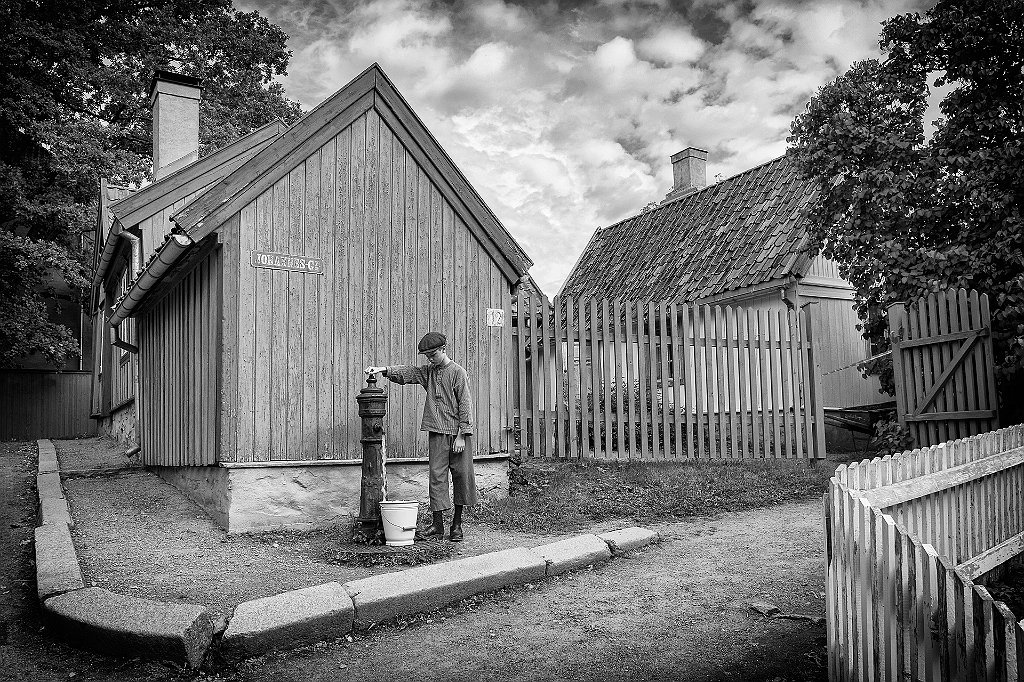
(741, 232)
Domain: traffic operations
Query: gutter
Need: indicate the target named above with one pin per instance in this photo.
(110, 245)
(173, 248)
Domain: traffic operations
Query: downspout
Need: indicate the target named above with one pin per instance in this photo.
(136, 265)
(136, 260)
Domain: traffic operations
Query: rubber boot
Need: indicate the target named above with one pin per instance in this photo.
(455, 535)
(436, 527)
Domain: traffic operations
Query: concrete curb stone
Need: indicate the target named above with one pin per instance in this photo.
(426, 588)
(47, 457)
(288, 620)
(629, 540)
(57, 569)
(116, 623)
(48, 486)
(573, 553)
(55, 512)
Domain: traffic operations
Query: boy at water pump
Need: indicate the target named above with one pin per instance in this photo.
(448, 421)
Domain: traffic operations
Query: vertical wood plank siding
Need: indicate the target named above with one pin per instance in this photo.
(35, 404)
(398, 261)
(842, 384)
(179, 349)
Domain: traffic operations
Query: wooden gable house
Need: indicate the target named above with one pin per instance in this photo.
(333, 247)
(739, 242)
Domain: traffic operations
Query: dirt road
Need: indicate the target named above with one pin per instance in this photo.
(675, 612)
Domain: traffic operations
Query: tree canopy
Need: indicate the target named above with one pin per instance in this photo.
(904, 213)
(74, 107)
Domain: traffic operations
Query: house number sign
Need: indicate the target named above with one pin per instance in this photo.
(495, 317)
(284, 261)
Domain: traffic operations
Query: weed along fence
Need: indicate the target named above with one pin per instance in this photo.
(656, 380)
(910, 541)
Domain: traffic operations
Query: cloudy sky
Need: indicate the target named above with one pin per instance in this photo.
(563, 115)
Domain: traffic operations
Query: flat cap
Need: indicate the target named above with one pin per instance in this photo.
(432, 340)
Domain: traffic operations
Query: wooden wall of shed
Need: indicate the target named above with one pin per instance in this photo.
(398, 262)
(178, 354)
(823, 267)
(838, 345)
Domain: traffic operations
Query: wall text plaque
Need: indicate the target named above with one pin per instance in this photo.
(285, 261)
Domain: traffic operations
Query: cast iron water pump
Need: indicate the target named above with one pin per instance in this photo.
(373, 405)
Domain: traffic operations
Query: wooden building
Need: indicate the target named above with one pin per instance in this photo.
(742, 242)
(281, 270)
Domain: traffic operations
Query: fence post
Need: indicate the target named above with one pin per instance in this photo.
(814, 385)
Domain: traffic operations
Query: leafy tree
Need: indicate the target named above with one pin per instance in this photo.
(27, 266)
(74, 107)
(904, 214)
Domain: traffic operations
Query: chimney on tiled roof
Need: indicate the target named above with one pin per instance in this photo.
(689, 172)
(175, 101)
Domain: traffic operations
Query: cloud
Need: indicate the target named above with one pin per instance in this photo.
(564, 118)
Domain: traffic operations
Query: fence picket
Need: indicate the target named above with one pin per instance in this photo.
(585, 351)
(937, 320)
(651, 368)
(608, 357)
(560, 418)
(573, 376)
(726, 381)
(700, 365)
(523, 393)
(665, 345)
(778, 370)
(683, 447)
(746, 414)
(594, 398)
(630, 379)
(641, 364)
(619, 394)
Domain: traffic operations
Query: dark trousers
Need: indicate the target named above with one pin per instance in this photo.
(442, 459)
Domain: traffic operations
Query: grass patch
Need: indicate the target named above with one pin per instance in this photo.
(553, 496)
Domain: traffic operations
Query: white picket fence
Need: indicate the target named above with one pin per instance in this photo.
(906, 538)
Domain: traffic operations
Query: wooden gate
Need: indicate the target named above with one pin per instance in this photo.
(661, 381)
(943, 367)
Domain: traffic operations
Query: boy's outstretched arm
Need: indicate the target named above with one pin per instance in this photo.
(400, 374)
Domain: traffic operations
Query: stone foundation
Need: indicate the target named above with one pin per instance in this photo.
(121, 426)
(253, 497)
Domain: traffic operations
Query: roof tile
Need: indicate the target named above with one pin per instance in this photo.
(739, 232)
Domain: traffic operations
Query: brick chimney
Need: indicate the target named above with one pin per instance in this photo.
(175, 102)
(689, 172)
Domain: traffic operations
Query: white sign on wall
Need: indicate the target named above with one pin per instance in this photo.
(495, 317)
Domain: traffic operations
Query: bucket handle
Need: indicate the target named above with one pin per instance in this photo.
(405, 529)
